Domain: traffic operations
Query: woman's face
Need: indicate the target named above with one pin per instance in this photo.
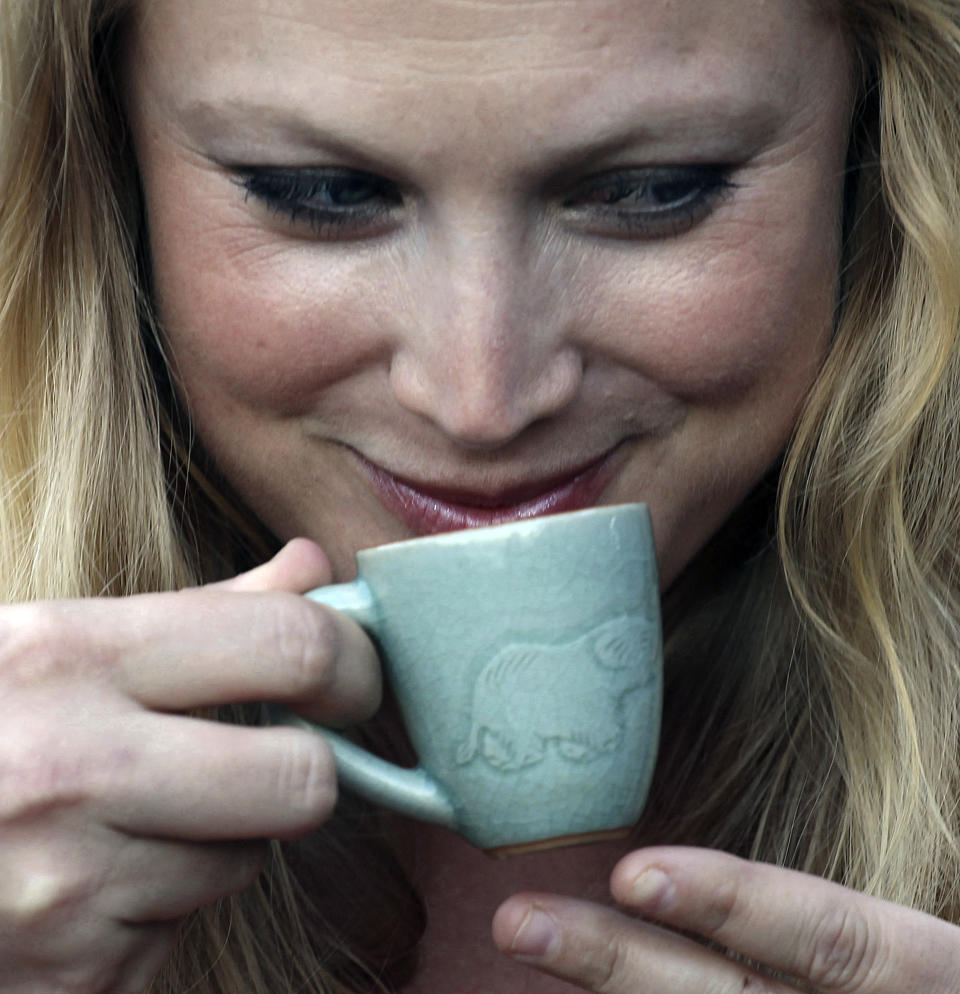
(427, 264)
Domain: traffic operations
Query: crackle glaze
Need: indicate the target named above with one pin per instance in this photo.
(527, 662)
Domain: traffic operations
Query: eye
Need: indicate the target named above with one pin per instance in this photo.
(331, 203)
(653, 202)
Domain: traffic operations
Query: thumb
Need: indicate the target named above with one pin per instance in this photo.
(298, 567)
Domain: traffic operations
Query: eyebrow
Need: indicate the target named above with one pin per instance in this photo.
(229, 128)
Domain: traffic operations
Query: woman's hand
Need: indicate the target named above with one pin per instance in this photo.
(118, 814)
(830, 939)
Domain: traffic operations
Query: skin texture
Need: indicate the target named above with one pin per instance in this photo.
(498, 318)
(485, 336)
(816, 936)
(119, 815)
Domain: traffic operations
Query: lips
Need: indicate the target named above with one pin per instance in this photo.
(427, 508)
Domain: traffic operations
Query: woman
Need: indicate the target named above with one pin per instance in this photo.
(359, 270)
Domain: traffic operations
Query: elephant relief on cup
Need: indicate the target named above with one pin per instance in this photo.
(511, 727)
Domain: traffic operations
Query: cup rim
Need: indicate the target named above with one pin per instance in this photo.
(464, 536)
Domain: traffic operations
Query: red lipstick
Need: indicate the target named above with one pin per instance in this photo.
(426, 508)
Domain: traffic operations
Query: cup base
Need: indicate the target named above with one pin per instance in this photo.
(540, 845)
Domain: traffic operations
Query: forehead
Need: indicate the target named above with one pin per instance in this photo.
(480, 85)
(401, 43)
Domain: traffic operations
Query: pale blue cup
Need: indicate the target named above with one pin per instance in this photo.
(527, 663)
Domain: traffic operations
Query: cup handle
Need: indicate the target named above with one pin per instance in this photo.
(412, 792)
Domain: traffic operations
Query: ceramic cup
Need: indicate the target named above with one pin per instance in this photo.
(526, 659)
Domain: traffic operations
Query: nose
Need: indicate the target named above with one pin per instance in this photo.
(484, 352)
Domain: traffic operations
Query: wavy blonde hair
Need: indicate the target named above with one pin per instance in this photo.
(826, 637)
(870, 509)
(822, 623)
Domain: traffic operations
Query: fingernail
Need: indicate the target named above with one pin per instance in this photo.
(536, 936)
(652, 889)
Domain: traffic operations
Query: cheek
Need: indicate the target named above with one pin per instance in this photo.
(263, 327)
(749, 299)
(713, 329)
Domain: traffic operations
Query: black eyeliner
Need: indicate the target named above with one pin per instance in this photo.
(324, 199)
(699, 188)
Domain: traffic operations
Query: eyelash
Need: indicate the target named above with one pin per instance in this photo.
(299, 195)
(676, 199)
(351, 203)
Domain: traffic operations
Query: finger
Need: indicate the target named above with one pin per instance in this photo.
(832, 938)
(47, 898)
(214, 647)
(204, 647)
(113, 877)
(155, 880)
(153, 945)
(125, 963)
(301, 565)
(601, 950)
(298, 567)
(183, 778)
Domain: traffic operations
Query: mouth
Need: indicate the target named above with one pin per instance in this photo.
(427, 508)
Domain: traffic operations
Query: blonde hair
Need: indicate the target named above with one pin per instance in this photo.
(94, 494)
(872, 483)
(78, 412)
(833, 646)
(821, 622)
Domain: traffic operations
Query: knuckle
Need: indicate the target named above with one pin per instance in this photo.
(842, 952)
(47, 768)
(722, 906)
(307, 641)
(33, 644)
(45, 894)
(37, 774)
(307, 781)
(610, 967)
